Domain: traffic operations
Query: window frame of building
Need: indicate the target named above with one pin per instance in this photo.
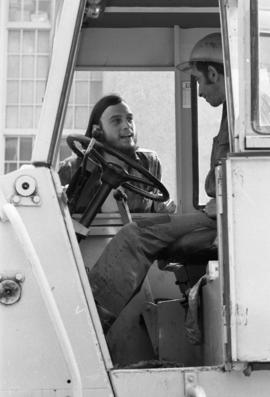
(12, 86)
(34, 26)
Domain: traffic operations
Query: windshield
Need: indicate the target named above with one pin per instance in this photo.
(260, 35)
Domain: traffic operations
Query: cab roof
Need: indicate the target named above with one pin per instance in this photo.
(157, 13)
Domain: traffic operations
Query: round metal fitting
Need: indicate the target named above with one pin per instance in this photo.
(19, 277)
(36, 199)
(10, 292)
(25, 185)
(16, 199)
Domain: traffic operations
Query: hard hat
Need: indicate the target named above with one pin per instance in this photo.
(208, 49)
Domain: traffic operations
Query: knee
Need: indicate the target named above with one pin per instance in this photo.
(197, 241)
(129, 234)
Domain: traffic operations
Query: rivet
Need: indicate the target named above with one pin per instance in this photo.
(190, 378)
(19, 277)
(36, 199)
(16, 199)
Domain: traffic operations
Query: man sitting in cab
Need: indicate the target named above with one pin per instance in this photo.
(123, 265)
(112, 122)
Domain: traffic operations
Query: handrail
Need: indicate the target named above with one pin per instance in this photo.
(11, 213)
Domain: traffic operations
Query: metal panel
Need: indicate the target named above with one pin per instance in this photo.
(213, 323)
(31, 355)
(248, 197)
(171, 382)
(174, 345)
(53, 393)
(126, 47)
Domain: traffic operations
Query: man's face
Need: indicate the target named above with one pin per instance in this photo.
(119, 127)
(212, 89)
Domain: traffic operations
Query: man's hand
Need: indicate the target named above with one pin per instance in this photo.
(211, 208)
(167, 207)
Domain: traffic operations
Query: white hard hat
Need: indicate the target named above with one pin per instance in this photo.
(208, 49)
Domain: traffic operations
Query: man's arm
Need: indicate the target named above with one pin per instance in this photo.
(211, 208)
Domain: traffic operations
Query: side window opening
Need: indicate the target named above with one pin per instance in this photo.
(205, 126)
(260, 67)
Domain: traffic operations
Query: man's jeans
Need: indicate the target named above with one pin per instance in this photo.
(123, 265)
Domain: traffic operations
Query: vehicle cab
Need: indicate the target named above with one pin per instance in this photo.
(53, 339)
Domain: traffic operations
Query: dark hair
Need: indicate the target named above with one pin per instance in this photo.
(203, 67)
(98, 109)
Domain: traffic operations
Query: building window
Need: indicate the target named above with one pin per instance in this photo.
(64, 151)
(29, 10)
(27, 67)
(18, 151)
(27, 58)
(86, 90)
(28, 55)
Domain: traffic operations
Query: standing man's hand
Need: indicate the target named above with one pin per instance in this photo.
(211, 208)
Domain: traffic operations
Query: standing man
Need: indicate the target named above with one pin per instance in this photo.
(126, 260)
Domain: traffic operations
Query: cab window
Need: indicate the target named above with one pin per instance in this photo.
(151, 97)
(205, 126)
(261, 67)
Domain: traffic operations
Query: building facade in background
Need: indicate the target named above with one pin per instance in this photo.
(26, 40)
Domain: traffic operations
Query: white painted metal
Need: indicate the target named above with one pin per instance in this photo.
(77, 252)
(31, 356)
(258, 141)
(228, 20)
(231, 250)
(248, 228)
(236, 15)
(170, 382)
(23, 237)
(243, 121)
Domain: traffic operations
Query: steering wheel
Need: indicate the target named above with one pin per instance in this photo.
(79, 143)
